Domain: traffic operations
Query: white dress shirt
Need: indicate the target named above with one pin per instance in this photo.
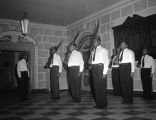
(22, 66)
(76, 59)
(128, 57)
(101, 56)
(57, 61)
(148, 63)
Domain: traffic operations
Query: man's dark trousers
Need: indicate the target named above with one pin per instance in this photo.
(116, 81)
(99, 85)
(23, 85)
(54, 81)
(126, 82)
(146, 82)
(75, 83)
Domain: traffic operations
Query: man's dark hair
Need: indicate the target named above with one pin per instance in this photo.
(147, 49)
(72, 44)
(124, 42)
(98, 38)
(53, 48)
(22, 56)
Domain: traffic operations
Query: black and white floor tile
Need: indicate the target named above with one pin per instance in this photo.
(43, 107)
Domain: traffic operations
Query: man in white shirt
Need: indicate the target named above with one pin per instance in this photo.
(75, 69)
(100, 62)
(23, 75)
(126, 69)
(147, 70)
(55, 70)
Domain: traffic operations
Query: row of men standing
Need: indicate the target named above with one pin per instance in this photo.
(75, 67)
(146, 64)
(98, 73)
(99, 67)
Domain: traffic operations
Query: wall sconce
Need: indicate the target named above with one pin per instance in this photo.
(24, 24)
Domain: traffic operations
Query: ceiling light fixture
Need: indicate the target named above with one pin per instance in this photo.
(25, 24)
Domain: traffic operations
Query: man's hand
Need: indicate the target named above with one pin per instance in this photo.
(104, 76)
(79, 74)
(151, 75)
(58, 74)
(132, 74)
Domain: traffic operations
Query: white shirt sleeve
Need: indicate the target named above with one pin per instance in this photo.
(153, 65)
(106, 62)
(81, 63)
(18, 69)
(132, 61)
(60, 64)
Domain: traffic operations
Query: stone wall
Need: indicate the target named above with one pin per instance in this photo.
(110, 17)
(45, 37)
(48, 35)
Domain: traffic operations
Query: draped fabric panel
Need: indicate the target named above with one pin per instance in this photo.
(138, 32)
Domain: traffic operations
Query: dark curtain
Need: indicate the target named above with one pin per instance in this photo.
(136, 31)
(152, 36)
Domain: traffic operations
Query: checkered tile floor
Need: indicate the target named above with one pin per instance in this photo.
(43, 107)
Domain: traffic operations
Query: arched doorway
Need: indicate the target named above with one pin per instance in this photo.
(13, 41)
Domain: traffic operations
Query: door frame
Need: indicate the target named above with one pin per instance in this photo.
(29, 45)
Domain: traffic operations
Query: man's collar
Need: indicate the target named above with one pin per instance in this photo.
(23, 59)
(98, 46)
(145, 54)
(55, 53)
(124, 49)
(73, 50)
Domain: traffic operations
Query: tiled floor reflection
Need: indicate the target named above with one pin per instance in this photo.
(43, 107)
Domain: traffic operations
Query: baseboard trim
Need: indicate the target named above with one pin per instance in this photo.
(109, 91)
(46, 91)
